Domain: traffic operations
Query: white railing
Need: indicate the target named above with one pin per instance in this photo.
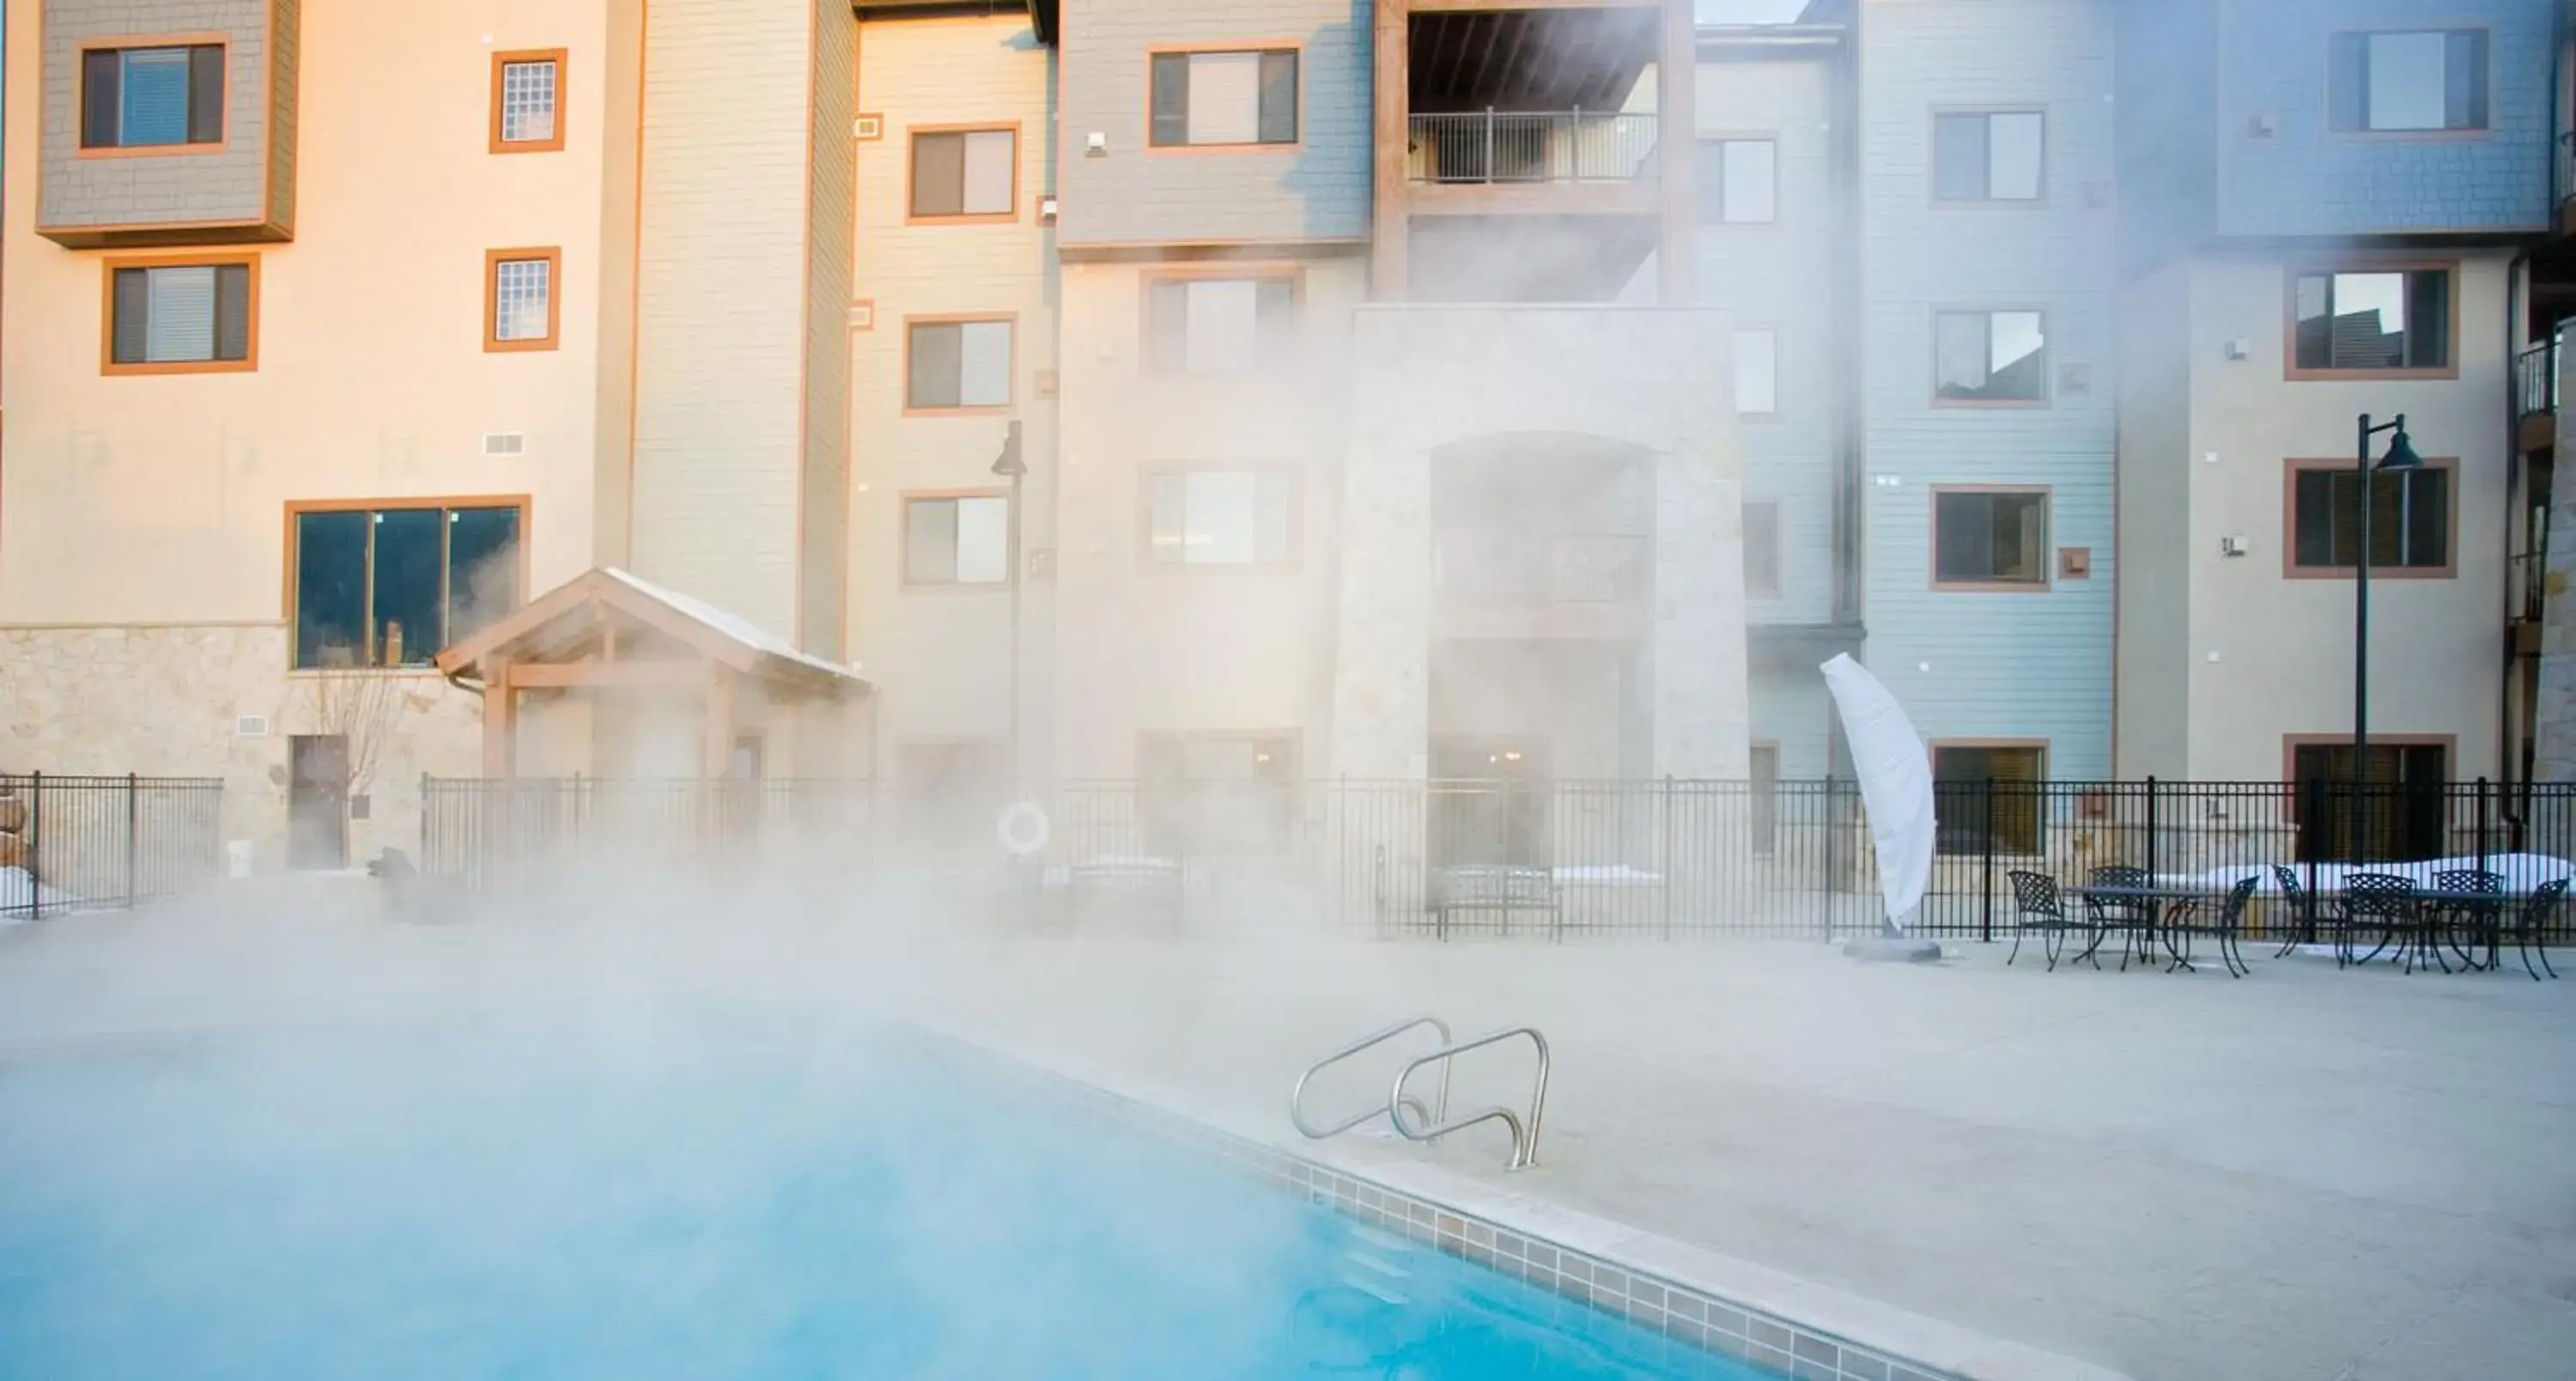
(1503, 146)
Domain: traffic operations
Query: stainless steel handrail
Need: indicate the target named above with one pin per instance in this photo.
(1395, 1100)
(1524, 1134)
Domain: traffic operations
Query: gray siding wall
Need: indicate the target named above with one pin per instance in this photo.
(1999, 665)
(219, 187)
(1317, 189)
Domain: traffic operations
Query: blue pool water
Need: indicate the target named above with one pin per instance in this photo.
(687, 1199)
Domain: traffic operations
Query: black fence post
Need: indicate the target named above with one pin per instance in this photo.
(2151, 829)
(1986, 886)
(1667, 888)
(35, 845)
(2482, 823)
(131, 781)
(2313, 817)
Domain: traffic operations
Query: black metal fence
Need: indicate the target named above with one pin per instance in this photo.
(80, 843)
(1656, 858)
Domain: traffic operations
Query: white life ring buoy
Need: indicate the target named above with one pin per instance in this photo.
(1022, 828)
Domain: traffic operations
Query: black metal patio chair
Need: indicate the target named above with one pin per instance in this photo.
(2530, 925)
(2480, 919)
(2381, 902)
(2132, 918)
(2191, 918)
(2294, 899)
(2037, 909)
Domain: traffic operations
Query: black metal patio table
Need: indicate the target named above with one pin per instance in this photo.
(2153, 901)
(2424, 941)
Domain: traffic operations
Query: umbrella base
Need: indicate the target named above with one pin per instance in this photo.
(1893, 949)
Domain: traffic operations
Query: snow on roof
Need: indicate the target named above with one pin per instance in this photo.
(733, 626)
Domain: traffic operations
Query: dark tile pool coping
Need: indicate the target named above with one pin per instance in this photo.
(1669, 1288)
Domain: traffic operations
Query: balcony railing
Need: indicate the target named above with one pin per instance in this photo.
(1498, 146)
(2530, 585)
(2535, 380)
(2567, 166)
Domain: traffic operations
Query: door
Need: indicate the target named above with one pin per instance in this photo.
(317, 801)
(1489, 802)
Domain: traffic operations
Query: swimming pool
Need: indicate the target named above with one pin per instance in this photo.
(689, 1197)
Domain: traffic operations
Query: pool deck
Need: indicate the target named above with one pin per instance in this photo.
(2302, 1174)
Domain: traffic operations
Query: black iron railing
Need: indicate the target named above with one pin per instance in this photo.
(73, 843)
(1663, 858)
(2535, 380)
(1491, 146)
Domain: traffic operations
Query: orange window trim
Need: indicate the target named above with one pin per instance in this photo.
(493, 259)
(562, 74)
(2328, 268)
(903, 539)
(289, 553)
(1010, 382)
(2292, 570)
(2047, 565)
(121, 42)
(912, 133)
(107, 363)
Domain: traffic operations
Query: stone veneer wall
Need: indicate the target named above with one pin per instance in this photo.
(1424, 377)
(166, 700)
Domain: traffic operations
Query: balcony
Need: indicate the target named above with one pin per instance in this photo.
(1566, 159)
(2535, 396)
(2528, 603)
(2567, 183)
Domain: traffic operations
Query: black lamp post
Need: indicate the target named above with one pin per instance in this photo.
(1010, 466)
(2400, 457)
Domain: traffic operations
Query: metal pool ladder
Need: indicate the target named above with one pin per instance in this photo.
(1434, 1118)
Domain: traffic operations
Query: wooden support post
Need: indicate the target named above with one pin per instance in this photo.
(500, 720)
(719, 725)
(1677, 140)
(1391, 227)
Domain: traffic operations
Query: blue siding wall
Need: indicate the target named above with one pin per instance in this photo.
(2304, 179)
(1989, 665)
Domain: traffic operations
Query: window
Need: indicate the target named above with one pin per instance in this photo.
(968, 173)
(1219, 325)
(520, 308)
(951, 365)
(1989, 156)
(1976, 783)
(1236, 98)
(2399, 813)
(527, 101)
(1762, 549)
(2376, 320)
(1220, 518)
(957, 539)
(388, 586)
(2410, 519)
(1757, 372)
(1990, 357)
(2408, 83)
(153, 98)
(1990, 537)
(1738, 181)
(181, 316)
(1218, 793)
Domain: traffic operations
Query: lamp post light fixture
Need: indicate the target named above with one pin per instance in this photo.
(1010, 466)
(2400, 457)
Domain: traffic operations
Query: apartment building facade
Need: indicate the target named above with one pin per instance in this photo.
(2330, 214)
(1262, 391)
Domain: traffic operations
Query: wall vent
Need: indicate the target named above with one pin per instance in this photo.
(863, 316)
(2075, 378)
(867, 127)
(2261, 125)
(1046, 383)
(251, 726)
(505, 443)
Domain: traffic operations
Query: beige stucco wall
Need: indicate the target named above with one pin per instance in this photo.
(142, 548)
(941, 654)
(2284, 647)
(1147, 649)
